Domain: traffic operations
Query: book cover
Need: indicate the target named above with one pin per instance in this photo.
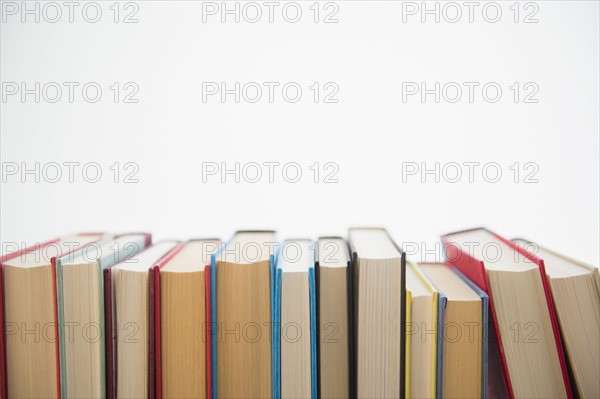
(474, 269)
(4, 258)
(485, 317)
(213, 325)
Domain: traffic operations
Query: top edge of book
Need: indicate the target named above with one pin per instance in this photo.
(417, 282)
(496, 254)
(143, 261)
(296, 255)
(249, 246)
(332, 252)
(448, 282)
(252, 231)
(111, 248)
(193, 257)
(557, 265)
(373, 243)
(42, 256)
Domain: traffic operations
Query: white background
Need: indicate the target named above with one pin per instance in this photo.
(369, 133)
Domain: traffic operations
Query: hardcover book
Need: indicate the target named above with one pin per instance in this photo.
(380, 313)
(422, 334)
(242, 286)
(182, 316)
(129, 310)
(4, 258)
(523, 315)
(334, 318)
(295, 321)
(31, 317)
(463, 371)
(80, 294)
(575, 289)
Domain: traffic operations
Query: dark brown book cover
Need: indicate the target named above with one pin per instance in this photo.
(111, 361)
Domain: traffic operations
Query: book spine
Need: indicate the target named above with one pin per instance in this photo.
(56, 329)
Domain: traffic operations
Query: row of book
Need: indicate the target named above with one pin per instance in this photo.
(99, 315)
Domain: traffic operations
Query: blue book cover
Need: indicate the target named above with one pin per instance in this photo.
(439, 386)
(312, 286)
(213, 317)
(276, 301)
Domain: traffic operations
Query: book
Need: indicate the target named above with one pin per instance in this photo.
(334, 318)
(80, 294)
(422, 302)
(295, 321)
(130, 328)
(522, 312)
(494, 383)
(380, 313)
(242, 286)
(31, 317)
(4, 258)
(464, 358)
(575, 289)
(182, 309)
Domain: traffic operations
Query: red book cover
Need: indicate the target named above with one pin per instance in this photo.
(4, 258)
(151, 333)
(208, 332)
(474, 269)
